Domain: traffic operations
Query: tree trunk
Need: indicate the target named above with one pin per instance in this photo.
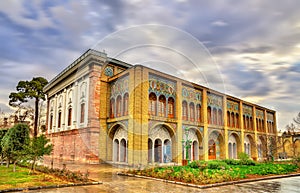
(36, 118)
(7, 163)
(14, 169)
(33, 165)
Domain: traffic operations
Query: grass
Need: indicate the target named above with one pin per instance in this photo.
(201, 172)
(22, 179)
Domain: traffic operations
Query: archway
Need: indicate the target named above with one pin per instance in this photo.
(211, 149)
(259, 149)
(249, 146)
(234, 146)
(195, 138)
(297, 147)
(287, 148)
(160, 144)
(264, 146)
(216, 146)
(117, 152)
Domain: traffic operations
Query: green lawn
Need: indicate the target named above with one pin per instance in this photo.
(201, 172)
(21, 178)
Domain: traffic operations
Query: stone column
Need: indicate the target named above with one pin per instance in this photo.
(225, 126)
(255, 152)
(138, 112)
(105, 144)
(242, 125)
(178, 114)
(205, 129)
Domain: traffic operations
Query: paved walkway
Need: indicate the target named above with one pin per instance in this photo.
(113, 183)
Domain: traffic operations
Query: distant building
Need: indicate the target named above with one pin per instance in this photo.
(104, 110)
(289, 144)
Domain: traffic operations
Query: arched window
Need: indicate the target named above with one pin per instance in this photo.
(215, 116)
(119, 104)
(237, 125)
(150, 144)
(198, 112)
(123, 153)
(251, 123)
(152, 104)
(184, 111)
(211, 149)
(157, 151)
(162, 106)
(272, 127)
(82, 110)
(228, 118)
(257, 125)
(51, 121)
(209, 115)
(244, 121)
(192, 112)
(125, 104)
(171, 107)
(220, 117)
(70, 116)
(248, 122)
(232, 120)
(263, 125)
(112, 108)
(59, 120)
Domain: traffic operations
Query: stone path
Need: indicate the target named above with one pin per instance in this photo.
(113, 183)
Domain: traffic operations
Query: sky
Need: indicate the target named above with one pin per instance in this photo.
(253, 45)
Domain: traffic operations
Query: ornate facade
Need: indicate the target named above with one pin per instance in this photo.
(104, 110)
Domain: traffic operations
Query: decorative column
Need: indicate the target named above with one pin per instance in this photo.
(205, 129)
(138, 113)
(255, 152)
(242, 125)
(179, 149)
(225, 126)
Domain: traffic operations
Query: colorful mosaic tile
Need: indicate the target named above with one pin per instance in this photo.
(190, 94)
(159, 85)
(270, 117)
(259, 114)
(247, 110)
(232, 106)
(119, 87)
(214, 100)
(109, 71)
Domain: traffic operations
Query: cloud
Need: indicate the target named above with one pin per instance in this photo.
(219, 23)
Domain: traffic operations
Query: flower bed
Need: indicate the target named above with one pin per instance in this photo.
(202, 172)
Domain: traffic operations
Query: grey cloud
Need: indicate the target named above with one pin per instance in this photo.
(259, 49)
(249, 82)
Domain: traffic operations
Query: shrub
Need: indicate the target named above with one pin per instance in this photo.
(245, 160)
(201, 165)
(217, 165)
(232, 162)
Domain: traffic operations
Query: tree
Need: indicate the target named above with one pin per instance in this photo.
(37, 148)
(297, 119)
(29, 90)
(2, 133)
(14, 143)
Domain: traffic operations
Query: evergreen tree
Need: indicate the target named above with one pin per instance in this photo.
(37, 148)
(14, 143)
(29, 90)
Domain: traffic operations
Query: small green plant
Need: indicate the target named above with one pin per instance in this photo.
(245, 160)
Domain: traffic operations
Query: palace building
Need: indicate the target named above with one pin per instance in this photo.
(101, 109)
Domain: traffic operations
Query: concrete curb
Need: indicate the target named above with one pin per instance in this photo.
(213, 185)
(50, 187)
